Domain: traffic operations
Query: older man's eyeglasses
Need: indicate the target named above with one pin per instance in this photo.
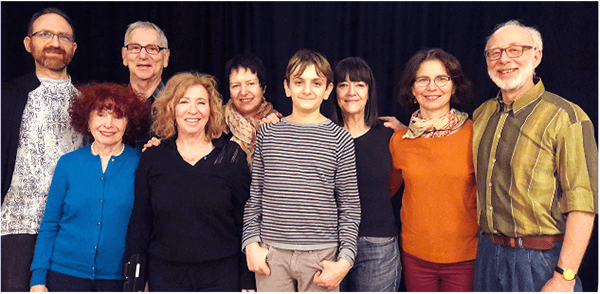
(47, 36)
(511, 51)
(137, 48)
(440, 81)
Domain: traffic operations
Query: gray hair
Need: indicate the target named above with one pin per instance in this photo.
(162, 39)
(534, 33)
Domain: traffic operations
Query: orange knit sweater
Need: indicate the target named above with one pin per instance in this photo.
(439, 210)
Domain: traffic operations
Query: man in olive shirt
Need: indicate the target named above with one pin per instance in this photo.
(536, 166)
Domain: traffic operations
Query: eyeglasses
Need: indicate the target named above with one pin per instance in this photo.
(137, 48)
(440, 81)
(47, 36)
(511, 51)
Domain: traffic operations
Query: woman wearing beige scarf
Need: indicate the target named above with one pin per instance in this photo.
(434, 160)
(247, 108)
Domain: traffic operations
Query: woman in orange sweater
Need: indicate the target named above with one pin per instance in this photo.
(433, 158)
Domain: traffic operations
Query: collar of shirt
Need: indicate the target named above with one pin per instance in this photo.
(55, 81)
(219, 143)
(157, 91)
(527, 98)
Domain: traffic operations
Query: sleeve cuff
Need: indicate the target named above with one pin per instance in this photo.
(347, 255)
(38, 277)
(248, 241)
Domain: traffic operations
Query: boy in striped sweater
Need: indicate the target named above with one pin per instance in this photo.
(301, 221)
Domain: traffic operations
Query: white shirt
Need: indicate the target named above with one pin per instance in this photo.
(45, 135)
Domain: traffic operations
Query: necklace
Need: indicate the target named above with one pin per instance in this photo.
(107, 157)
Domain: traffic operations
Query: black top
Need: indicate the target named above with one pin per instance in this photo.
(186, 213)
(373, 164)
(14, 99)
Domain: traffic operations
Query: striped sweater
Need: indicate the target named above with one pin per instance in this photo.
(304, 193)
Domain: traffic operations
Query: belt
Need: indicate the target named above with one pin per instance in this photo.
(531, 242)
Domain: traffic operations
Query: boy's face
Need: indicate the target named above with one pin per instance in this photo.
(307, 89)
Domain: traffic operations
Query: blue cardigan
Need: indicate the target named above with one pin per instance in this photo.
(83, 230)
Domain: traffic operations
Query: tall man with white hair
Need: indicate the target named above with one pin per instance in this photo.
(145, 53)
(537, 176)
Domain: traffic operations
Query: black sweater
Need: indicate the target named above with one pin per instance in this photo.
(14, 99)
(373, 163)
(186, 213)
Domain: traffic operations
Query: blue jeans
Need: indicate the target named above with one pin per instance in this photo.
(376, 268)
(501, 268)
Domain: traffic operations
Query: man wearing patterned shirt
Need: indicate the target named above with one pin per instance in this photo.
(36, 132)
(536, 166)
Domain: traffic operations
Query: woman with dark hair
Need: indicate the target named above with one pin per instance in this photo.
(377, 266)
(434, 160)
(82, 235)
(190, 193)
(247, 108)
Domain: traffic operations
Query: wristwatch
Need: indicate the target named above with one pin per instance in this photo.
(567, 273)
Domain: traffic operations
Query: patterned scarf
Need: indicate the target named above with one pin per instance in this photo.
(244, 129)
(434, 128)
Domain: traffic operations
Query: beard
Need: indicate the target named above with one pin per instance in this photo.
(54, 63)
(525, 73)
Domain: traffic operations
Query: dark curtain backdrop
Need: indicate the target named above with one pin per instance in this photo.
(204, 35)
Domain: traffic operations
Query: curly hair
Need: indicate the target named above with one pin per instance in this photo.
(113, 97)
(164, 125)
(462, 85)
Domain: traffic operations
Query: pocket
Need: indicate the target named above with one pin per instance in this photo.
(547, 259)
(269, 251)
(324, 254)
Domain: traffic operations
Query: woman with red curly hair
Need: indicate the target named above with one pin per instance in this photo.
(82, 235)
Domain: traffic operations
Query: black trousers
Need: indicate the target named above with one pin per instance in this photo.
(58, 282)
(17, 255)
(220, 275)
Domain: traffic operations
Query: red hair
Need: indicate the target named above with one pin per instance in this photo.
(112, 97)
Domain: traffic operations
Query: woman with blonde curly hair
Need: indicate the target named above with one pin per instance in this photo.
(190, 193)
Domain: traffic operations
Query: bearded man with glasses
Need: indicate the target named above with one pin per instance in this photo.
(36, 132)
(536, 166)
(145, 53)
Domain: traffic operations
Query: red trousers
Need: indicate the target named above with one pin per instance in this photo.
(424, 276)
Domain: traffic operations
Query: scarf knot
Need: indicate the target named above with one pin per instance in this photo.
(437, 127)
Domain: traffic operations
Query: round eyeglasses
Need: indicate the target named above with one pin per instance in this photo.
(137, 48)
(511, 51)
(47, 36)
(440, 81)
